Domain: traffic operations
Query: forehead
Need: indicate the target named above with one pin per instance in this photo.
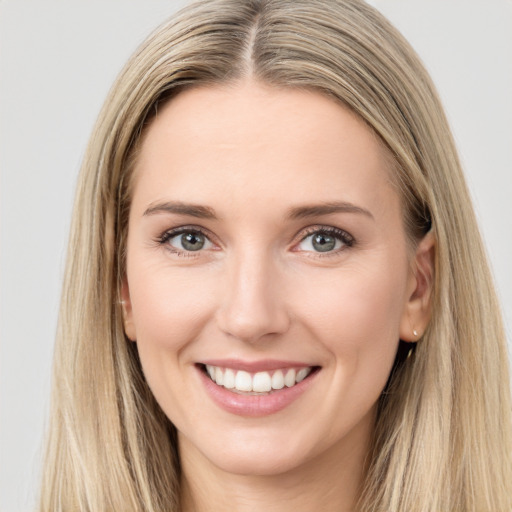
(255, 144)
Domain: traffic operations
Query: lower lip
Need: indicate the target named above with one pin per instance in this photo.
(254, 405)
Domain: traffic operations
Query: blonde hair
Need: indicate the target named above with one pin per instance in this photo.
(443, 433)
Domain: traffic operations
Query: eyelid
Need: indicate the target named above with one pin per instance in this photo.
(168, 234)
(346, 238)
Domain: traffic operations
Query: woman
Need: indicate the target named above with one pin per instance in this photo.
(269, 305)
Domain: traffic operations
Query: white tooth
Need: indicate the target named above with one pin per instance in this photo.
(278, 380)
(211, 371)
(302, 374)
(229, 379)
(243, 381)
(219, 377)
(262, 382)
(289, 378)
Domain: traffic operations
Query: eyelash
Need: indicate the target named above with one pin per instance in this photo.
(339, 234)
(164, 238)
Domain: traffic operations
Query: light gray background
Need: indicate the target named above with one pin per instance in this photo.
(57, 62)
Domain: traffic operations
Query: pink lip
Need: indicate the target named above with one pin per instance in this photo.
(265, 365)
(254, 405)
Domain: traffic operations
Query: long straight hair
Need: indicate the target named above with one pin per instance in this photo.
(443, 433)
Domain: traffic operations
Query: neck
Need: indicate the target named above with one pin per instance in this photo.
(329, 482)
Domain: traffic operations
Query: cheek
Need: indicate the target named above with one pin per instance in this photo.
(356, 315)
(357, 321)
(169, 310)
(165, 300)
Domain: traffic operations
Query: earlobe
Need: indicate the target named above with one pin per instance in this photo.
(126, 305)
(418, 307)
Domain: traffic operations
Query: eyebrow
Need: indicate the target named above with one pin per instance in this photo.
(298, 212)
(302, 212)
(180, 208)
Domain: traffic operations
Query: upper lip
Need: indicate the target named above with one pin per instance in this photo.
(255, 366)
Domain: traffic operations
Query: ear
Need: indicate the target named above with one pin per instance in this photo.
(417, 309)
(129, 324)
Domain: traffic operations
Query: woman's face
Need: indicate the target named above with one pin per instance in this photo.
(266, 247)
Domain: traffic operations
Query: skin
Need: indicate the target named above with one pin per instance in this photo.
(260, 290)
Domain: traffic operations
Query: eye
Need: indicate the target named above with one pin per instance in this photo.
(325, 240)
(185, 240)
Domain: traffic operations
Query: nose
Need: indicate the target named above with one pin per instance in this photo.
(252, 306)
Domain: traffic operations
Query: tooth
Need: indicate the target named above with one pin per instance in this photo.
(211, 371)
(229, 379)
(289, 378)
(278, 380)
(243, 381)
(262, 382)
(302, 374)
(219, 377)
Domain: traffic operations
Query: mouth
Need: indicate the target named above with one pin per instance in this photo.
(258, 383)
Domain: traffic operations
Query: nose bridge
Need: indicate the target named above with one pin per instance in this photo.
(252, 304)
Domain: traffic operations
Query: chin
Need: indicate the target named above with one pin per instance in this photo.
(260, 464)
(265, 452)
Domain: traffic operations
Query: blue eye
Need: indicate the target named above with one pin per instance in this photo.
(325, 241)
(187, 240)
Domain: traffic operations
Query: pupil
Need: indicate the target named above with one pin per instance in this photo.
(324, 243)
(192, 241)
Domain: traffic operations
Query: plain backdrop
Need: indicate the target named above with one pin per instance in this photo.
(58, 59)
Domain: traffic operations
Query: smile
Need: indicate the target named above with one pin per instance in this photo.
(240, 381)
(257, 388)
